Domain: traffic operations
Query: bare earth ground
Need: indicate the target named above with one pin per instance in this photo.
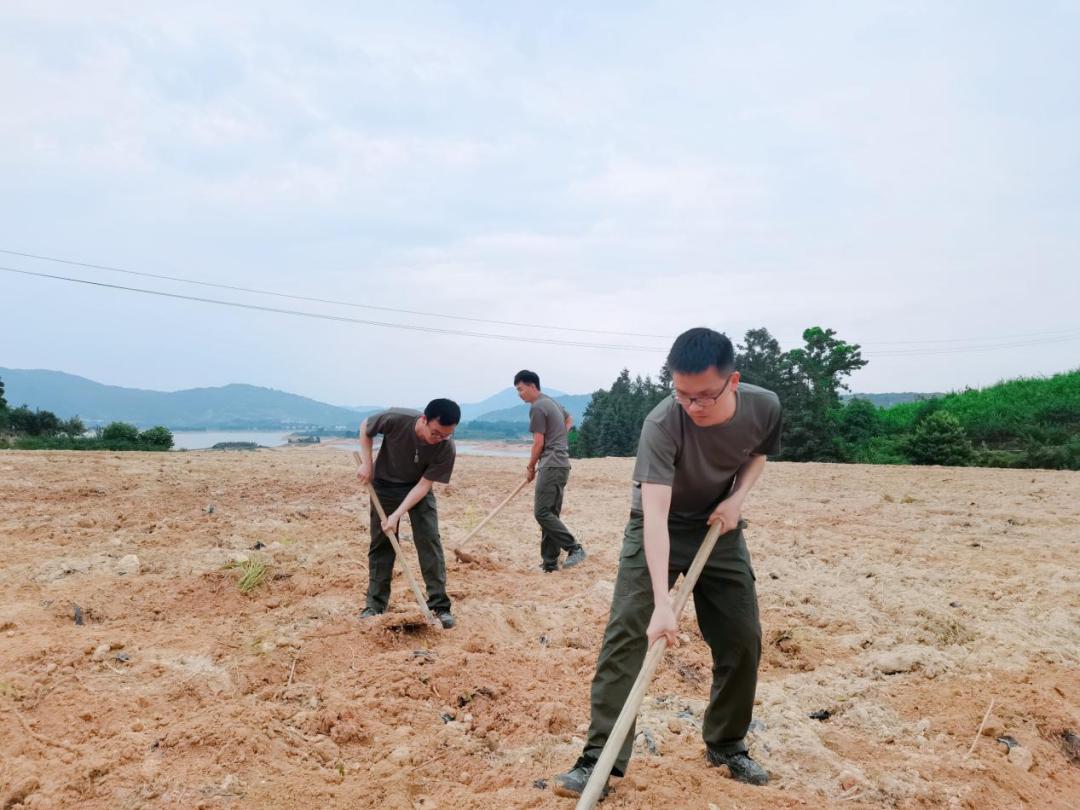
(900, 600)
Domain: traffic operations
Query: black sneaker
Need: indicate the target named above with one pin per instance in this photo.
(572, 783)
(445, 618)
(368, 612)
(743, 769)
(576, 556)
(549, 569)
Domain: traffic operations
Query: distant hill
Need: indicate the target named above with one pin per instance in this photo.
(890, 399)
(575, 403)
(506, 399)
(226, 407)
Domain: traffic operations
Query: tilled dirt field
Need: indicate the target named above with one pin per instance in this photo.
(900, 601)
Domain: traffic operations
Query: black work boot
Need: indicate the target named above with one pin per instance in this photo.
(743, 769)
(572, 783)
(369, 612)
(576, 556)
(445, 618)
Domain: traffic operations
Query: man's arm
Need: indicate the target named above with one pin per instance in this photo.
(655, 503)
(534, 456)
(730, 509)
(416, 494)
(569, 421)
(363, 473)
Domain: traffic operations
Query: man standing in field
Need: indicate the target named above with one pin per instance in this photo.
(701, 452)
(417, 451)
(549, 464)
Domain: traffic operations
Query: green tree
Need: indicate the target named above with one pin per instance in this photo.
(33, 423)
(859, 421)
(760, 361)
(612, 422)
(73, 428)
(940, 439)
(810, 386)
(3, 402)
(156, 438)
(120, 433)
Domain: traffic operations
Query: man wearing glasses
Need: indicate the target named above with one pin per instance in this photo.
(701, 452)
(417, 451)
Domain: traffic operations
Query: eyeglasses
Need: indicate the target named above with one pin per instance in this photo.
(703, 402)
(438, 434)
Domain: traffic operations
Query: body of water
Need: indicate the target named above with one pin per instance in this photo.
(205, 439)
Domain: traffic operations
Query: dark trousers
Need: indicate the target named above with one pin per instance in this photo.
(727, 613)
(424, 518)
(547, 506)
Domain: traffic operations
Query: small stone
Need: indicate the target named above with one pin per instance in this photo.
(1022, 758)
(993, 727)
(675, 726)
(128, 565)
(231, 784)
(897, 661)
(326, 750)
(400, 755)
(848, 780)
(100, 652)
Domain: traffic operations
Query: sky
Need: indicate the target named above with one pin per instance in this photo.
(907, 174)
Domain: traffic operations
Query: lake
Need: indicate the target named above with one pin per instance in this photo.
(205, 439)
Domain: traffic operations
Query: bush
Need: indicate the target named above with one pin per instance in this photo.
(156, 438)
(940, 439)
(120, 432)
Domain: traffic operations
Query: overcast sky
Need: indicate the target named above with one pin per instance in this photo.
(895, 171)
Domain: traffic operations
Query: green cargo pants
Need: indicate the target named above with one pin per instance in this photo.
(726, 603)
(547, 506)
(424, 519)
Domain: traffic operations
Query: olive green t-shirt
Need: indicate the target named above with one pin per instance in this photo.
(404, 458)
(699, 463)
(549, 417)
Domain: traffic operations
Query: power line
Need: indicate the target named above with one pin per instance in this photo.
(327, 300)
(1062, 336)
(339, 318)
(930, 343)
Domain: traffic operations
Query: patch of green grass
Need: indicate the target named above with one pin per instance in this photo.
(253, 573)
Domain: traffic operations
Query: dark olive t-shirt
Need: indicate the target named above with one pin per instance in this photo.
(549, 417)
(404, 458)
(699, 463)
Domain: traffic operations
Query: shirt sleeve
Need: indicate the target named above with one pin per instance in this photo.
(565, 413)
(377, 423)
(770, 445)
(537, 422)
(656, 455)
(441, 468)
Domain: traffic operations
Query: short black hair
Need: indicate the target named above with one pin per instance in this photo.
(445, 410)
(527, 377)
(699, 348)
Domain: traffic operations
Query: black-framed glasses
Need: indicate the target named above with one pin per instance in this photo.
(704, 402)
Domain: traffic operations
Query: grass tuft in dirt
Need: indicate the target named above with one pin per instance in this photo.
(253, 573)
